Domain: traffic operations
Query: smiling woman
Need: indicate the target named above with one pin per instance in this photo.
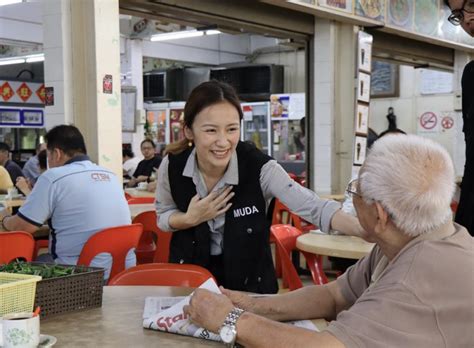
(213, 193)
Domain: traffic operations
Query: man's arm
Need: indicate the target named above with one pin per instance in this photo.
(16, 223)
(256, 331)
(309, 302)
(209, 310)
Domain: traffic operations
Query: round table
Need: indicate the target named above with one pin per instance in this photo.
(136, 209)
(139, 193)
(348, 247)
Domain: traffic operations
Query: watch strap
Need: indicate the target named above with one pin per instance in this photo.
(231, 321)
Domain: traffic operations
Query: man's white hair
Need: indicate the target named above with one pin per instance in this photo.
(413, 179)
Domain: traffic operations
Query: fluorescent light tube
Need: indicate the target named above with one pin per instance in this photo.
(35, 58)
(176, 35)
(212, 32)
(9, 2)
(12, 61)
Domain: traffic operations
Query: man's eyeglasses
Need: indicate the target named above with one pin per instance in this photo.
(352, 188)
(456, 17)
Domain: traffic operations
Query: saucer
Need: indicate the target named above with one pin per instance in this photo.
(47, 341)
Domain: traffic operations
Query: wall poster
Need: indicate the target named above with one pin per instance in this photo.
(385, 82)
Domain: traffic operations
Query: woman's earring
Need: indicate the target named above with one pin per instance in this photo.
(190, 143)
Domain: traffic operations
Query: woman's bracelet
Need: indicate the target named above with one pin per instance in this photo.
(2, 223)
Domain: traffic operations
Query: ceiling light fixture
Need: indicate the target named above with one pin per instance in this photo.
(35, 58)
(11, 61)
(184, 34)
(10, 2)
(31, 58)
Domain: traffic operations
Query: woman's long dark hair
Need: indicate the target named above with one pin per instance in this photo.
(204, 95)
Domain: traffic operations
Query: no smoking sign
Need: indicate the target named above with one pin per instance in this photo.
(428, 120)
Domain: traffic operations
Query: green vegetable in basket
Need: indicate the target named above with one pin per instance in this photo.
(44, 270)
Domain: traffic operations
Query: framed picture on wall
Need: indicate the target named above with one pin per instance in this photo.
(385, 80)
(129, 105)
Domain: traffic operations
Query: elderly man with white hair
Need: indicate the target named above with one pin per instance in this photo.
(415, 289)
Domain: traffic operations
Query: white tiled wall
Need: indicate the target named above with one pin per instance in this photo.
(324, 57)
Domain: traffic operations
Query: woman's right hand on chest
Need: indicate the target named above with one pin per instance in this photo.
(209, 207)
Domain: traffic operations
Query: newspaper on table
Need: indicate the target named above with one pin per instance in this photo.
(166, 314)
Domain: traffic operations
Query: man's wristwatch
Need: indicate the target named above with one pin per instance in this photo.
(228, 330)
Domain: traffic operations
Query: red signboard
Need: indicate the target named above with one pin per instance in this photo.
(24, 92)
(41, 93)
(6, 91)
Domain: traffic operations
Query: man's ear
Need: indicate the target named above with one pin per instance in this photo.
(57, 153)
(382, 216)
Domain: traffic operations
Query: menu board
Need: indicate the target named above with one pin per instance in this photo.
(343, 5)
(374, 9)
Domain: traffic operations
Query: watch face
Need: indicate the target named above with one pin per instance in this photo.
(227, 334)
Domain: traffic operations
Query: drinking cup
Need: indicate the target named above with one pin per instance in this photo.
(20, 330)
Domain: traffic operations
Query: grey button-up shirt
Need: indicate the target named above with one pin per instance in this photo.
(274, 182)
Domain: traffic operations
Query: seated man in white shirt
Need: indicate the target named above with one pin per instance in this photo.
(32, 169)
(129, 163)
(75, 196)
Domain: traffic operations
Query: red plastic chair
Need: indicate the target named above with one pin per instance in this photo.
(301, 224)
(285, 239)
(16, 244)
(40, 244)
(116, 241)
(148, 251)
(141, 200)
(164, 274)
(281, 215)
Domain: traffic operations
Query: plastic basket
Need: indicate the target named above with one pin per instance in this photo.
(79, 291)
(17, 292)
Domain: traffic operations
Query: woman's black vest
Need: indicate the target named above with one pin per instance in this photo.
(247, 258)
